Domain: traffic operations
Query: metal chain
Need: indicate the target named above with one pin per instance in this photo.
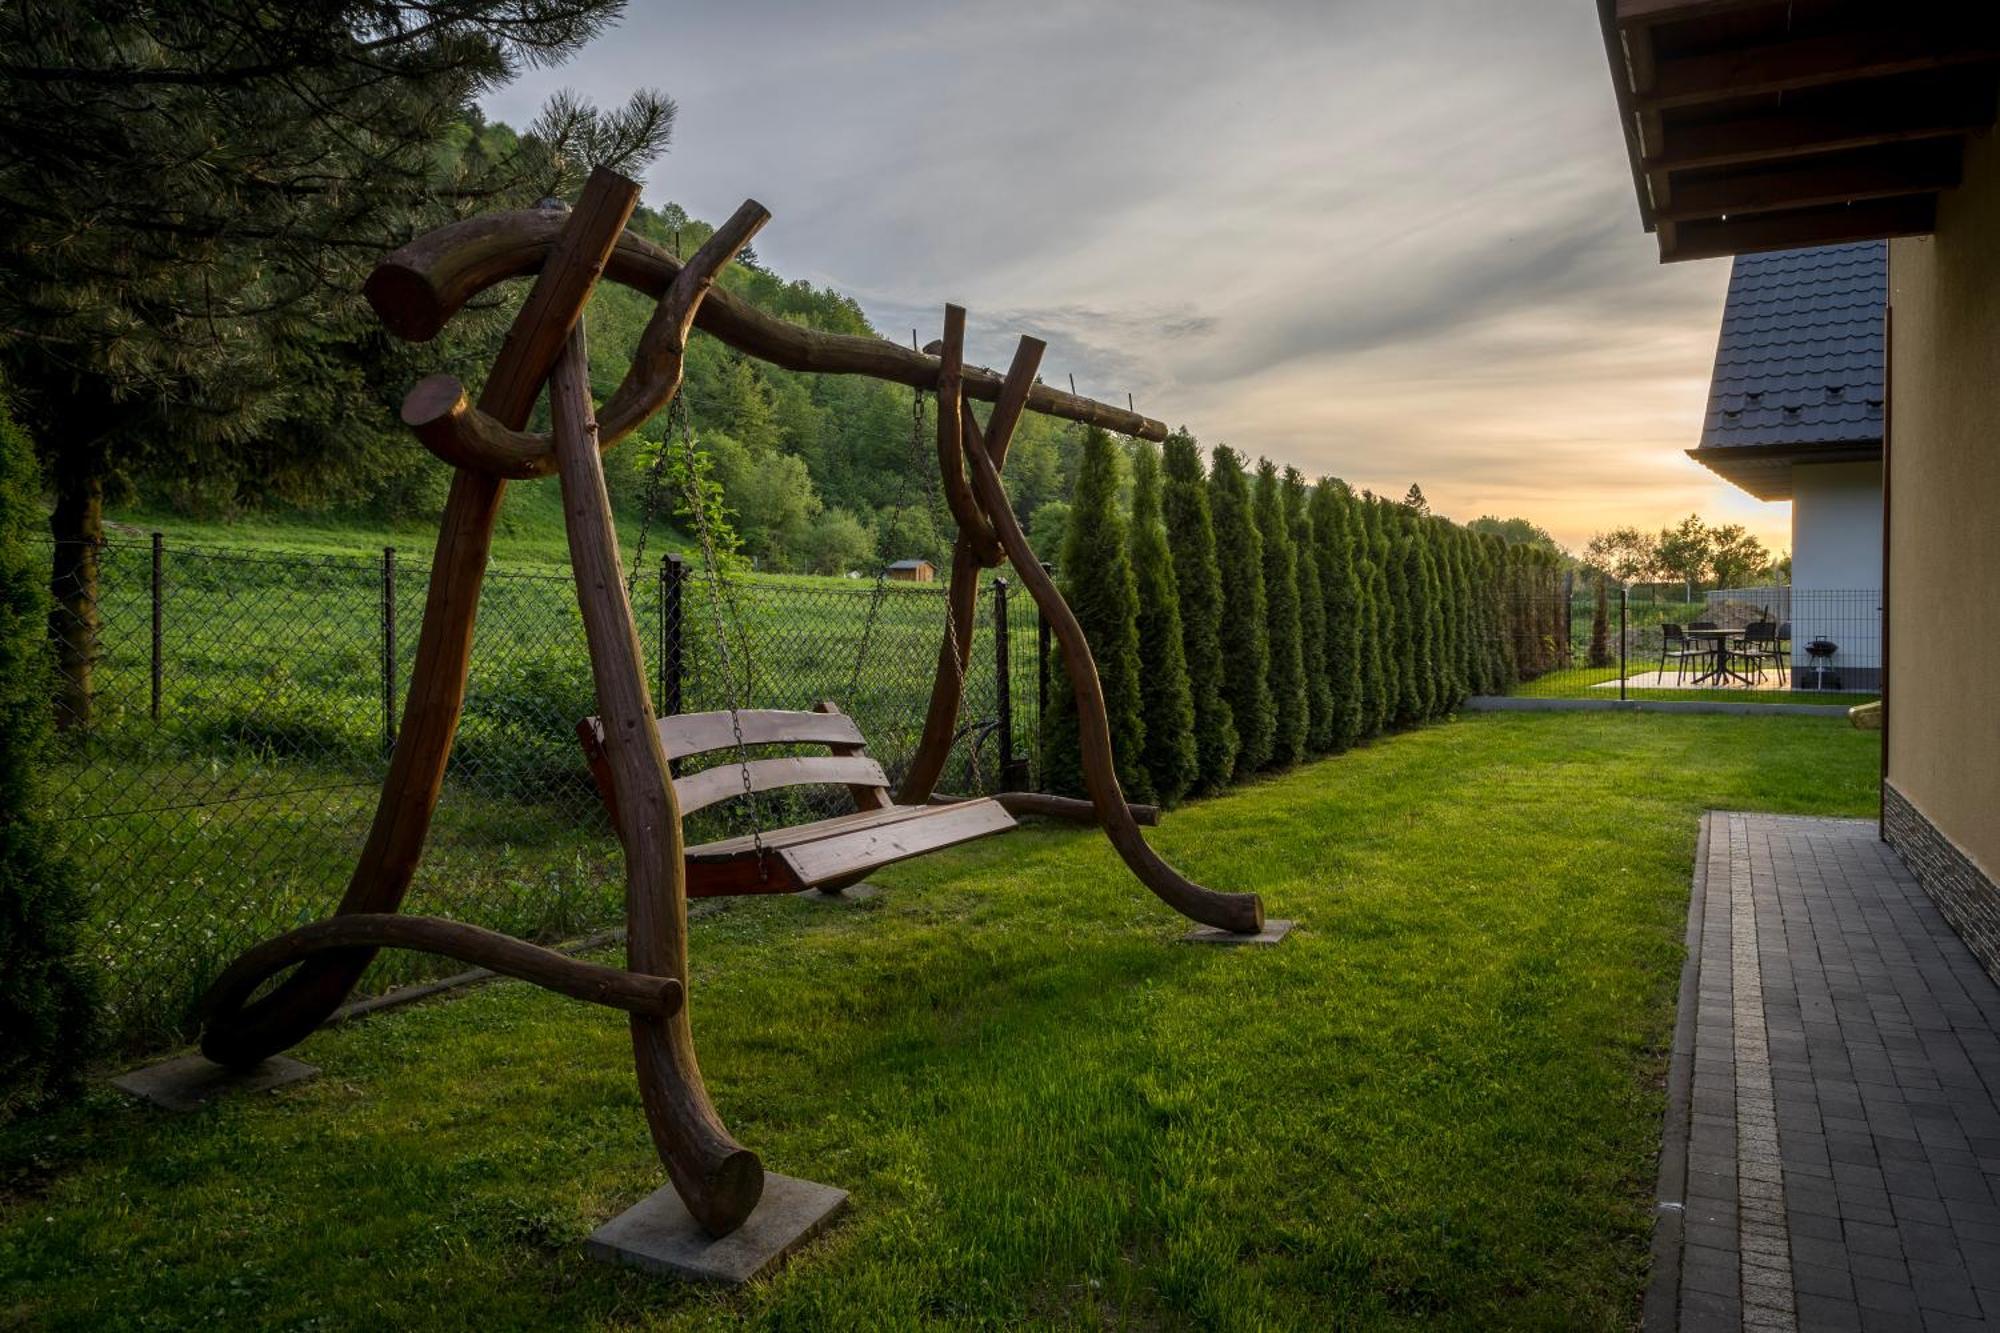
(647, 511)
(697, 504)
(881, 589)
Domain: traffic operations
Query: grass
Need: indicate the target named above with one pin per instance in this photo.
(1601, 683)
(529, 534)
(1437, 1103)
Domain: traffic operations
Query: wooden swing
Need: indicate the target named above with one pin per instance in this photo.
(415, 292)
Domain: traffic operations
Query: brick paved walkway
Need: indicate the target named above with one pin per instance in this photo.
(1832, 1154)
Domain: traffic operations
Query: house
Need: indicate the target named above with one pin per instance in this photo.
(1757, 125)
(913, 571)
(1795, 411)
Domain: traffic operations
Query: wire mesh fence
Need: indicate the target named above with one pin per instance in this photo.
(1744, 645)
(226, 718)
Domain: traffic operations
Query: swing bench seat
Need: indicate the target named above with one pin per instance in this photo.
(823, 854)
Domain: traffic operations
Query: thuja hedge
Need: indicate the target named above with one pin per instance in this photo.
(1309, 617)
(46, 997)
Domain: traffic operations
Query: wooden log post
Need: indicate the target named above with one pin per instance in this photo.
(243, 1034)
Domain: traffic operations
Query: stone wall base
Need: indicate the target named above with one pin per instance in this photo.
(1965, 894)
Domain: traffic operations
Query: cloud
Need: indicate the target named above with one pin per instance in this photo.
(1392, 241)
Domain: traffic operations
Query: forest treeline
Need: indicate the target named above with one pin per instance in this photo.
(1244, 619)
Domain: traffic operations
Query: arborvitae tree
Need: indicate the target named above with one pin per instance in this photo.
(1097, 582)
(1451, 685)
(47, 1004)
(1430, 616)
(1468, 645)
(1246, 635)
(1333, 549)
(1384, 686)
(1405, 684)
(1312, 614)
(1191, 542)
(1600, 625)
(1170, 757)
(1281, 609)
(1500, 602)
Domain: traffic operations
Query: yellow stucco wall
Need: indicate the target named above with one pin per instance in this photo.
(1944, 514)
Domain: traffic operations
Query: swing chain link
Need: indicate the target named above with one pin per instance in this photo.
(697, 504)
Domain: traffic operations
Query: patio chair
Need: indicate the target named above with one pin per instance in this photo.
(1674, 647)
(1758, 646)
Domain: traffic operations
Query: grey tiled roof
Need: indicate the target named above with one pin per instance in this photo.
(1800, 356)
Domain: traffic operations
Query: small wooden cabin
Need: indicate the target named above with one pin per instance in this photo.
(913, 571)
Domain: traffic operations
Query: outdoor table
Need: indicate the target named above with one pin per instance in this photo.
(1721, 673)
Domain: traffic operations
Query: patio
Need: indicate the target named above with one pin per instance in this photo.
(1832, 1150)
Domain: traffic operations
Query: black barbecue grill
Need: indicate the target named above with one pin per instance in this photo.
(1821, 651)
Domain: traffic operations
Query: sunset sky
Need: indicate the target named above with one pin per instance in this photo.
(1391, 240)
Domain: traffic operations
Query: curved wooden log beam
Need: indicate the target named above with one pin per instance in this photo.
(949, 687)
(718, 1178)
(1241, 913)
(421, 286)
(1054, 807)
(655, 997)
(436, 409)
(579, 247)
(972, 524)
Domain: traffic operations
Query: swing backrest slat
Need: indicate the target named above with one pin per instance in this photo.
(686, 735)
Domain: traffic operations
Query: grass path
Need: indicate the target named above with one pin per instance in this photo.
(1436, 1103)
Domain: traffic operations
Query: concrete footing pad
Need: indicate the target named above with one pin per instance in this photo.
(189, 1081)
(853, 893)
(1272, 932)
(659, 1235)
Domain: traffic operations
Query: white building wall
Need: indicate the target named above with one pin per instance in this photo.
(1837, 560)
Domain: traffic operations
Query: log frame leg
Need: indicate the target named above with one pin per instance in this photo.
(381, 879)
(718, 1178)
(1239, 913)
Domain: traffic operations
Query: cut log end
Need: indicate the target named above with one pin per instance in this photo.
(734, 1186)
(432, 399)
(405, 301)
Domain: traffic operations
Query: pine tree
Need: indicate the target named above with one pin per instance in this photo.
(1312, 614)
(1281, 612)
(1170, 758)
(1333, 544)
(1097, 580)
(190, 197)
(47, 1001)
(1246, 636)
(1191, 542)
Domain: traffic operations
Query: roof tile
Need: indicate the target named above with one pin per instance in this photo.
(1799, 360)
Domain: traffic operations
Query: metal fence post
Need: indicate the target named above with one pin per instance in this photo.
(159, 662)
(1003, 682)
(673, 571)
(1623, 596)
(1042, 647)
(389, 648)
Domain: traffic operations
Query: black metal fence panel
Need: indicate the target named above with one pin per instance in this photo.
(1775, 645)
(226, 727)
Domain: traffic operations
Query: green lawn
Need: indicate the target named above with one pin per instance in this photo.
(1438, 1102)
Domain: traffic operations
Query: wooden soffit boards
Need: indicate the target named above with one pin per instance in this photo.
(1776, 124)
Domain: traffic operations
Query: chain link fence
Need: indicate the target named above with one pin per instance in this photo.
(1662, 643)
(226, 718)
